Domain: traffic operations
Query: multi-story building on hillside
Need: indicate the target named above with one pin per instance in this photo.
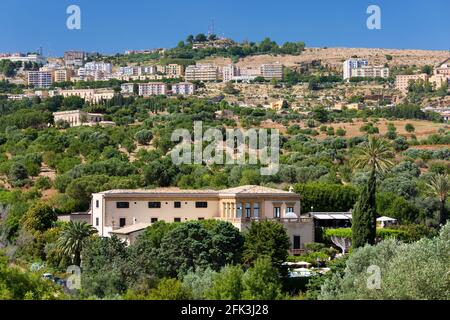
(40, 79)
(152, 88)
(89, 95)
(126, 213)
(272, 71)
(202, 72)
(351, 64)
(74, 58)
(77, 118)
(370, 72)
(403, 81)
(62, 75)
(184, 88)
(19, 57)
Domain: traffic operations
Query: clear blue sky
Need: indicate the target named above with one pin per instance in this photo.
(114, 26)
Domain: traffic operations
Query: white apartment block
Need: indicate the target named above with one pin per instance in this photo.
(98, 66)
(147, 70)
(202, 72)
(89, 95)
(40, 79)
(351, 64)
(272, 71)
(402, 82)
(152, 88)
(77, 118)
(229, 72)
(126, 213)
(370, 72)
(234, 73)
(128, 71)
(127, 88)
(184, 88)
(18, 57)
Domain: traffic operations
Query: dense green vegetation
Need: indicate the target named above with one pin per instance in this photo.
(176, 261)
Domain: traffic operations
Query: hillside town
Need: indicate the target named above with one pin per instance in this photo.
(102, 171)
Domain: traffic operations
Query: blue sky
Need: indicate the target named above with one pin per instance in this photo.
(114, 26)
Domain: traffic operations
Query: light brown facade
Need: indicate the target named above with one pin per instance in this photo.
(402, 82)
(116, 209)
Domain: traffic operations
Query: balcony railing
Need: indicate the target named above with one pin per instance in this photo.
(281, 220)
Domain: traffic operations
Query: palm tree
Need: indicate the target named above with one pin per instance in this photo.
(372, 155)
(73, 238)
(439, 186)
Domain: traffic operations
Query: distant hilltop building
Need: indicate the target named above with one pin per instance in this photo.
(371, 72)
(89, 95)
(351, 64)
(267, 71)
(158, 88)
(202, 72)
(74, 58)
(152, 88)
(75, 118)
(272, 71)
(40, 79)
(441, 76)
(19, 57)
(183, 88)
(145, 51)
(221, 43)
(96, 71)
(360, 68)
(234, 73)
(402, 82)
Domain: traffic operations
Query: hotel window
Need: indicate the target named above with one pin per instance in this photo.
(276, 212)
(176, 219)
(296, 243)
(153, 220)
(238, 210)
(201, 204)
(122, 205)
(97, 203)
(289, 209)
(256, 209)
(154, 205)
(177, 204)
(122, 222)
(248, 209)
(96, 222)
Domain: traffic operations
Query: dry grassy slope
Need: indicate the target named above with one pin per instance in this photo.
(335, 56)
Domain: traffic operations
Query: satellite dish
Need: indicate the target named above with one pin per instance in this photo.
(290, 215)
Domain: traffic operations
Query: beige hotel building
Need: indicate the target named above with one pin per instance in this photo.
(126, 213)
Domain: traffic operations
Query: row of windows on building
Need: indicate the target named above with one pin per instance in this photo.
(203, 204)
(247, 209)
(157, 204)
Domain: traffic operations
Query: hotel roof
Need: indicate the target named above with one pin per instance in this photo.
(242, 190)
(252, 189)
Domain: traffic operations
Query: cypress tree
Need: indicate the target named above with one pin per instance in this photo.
(364, 215)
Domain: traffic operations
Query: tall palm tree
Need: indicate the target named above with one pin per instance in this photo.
(373, 155)
(73, 238)
(439, 186)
